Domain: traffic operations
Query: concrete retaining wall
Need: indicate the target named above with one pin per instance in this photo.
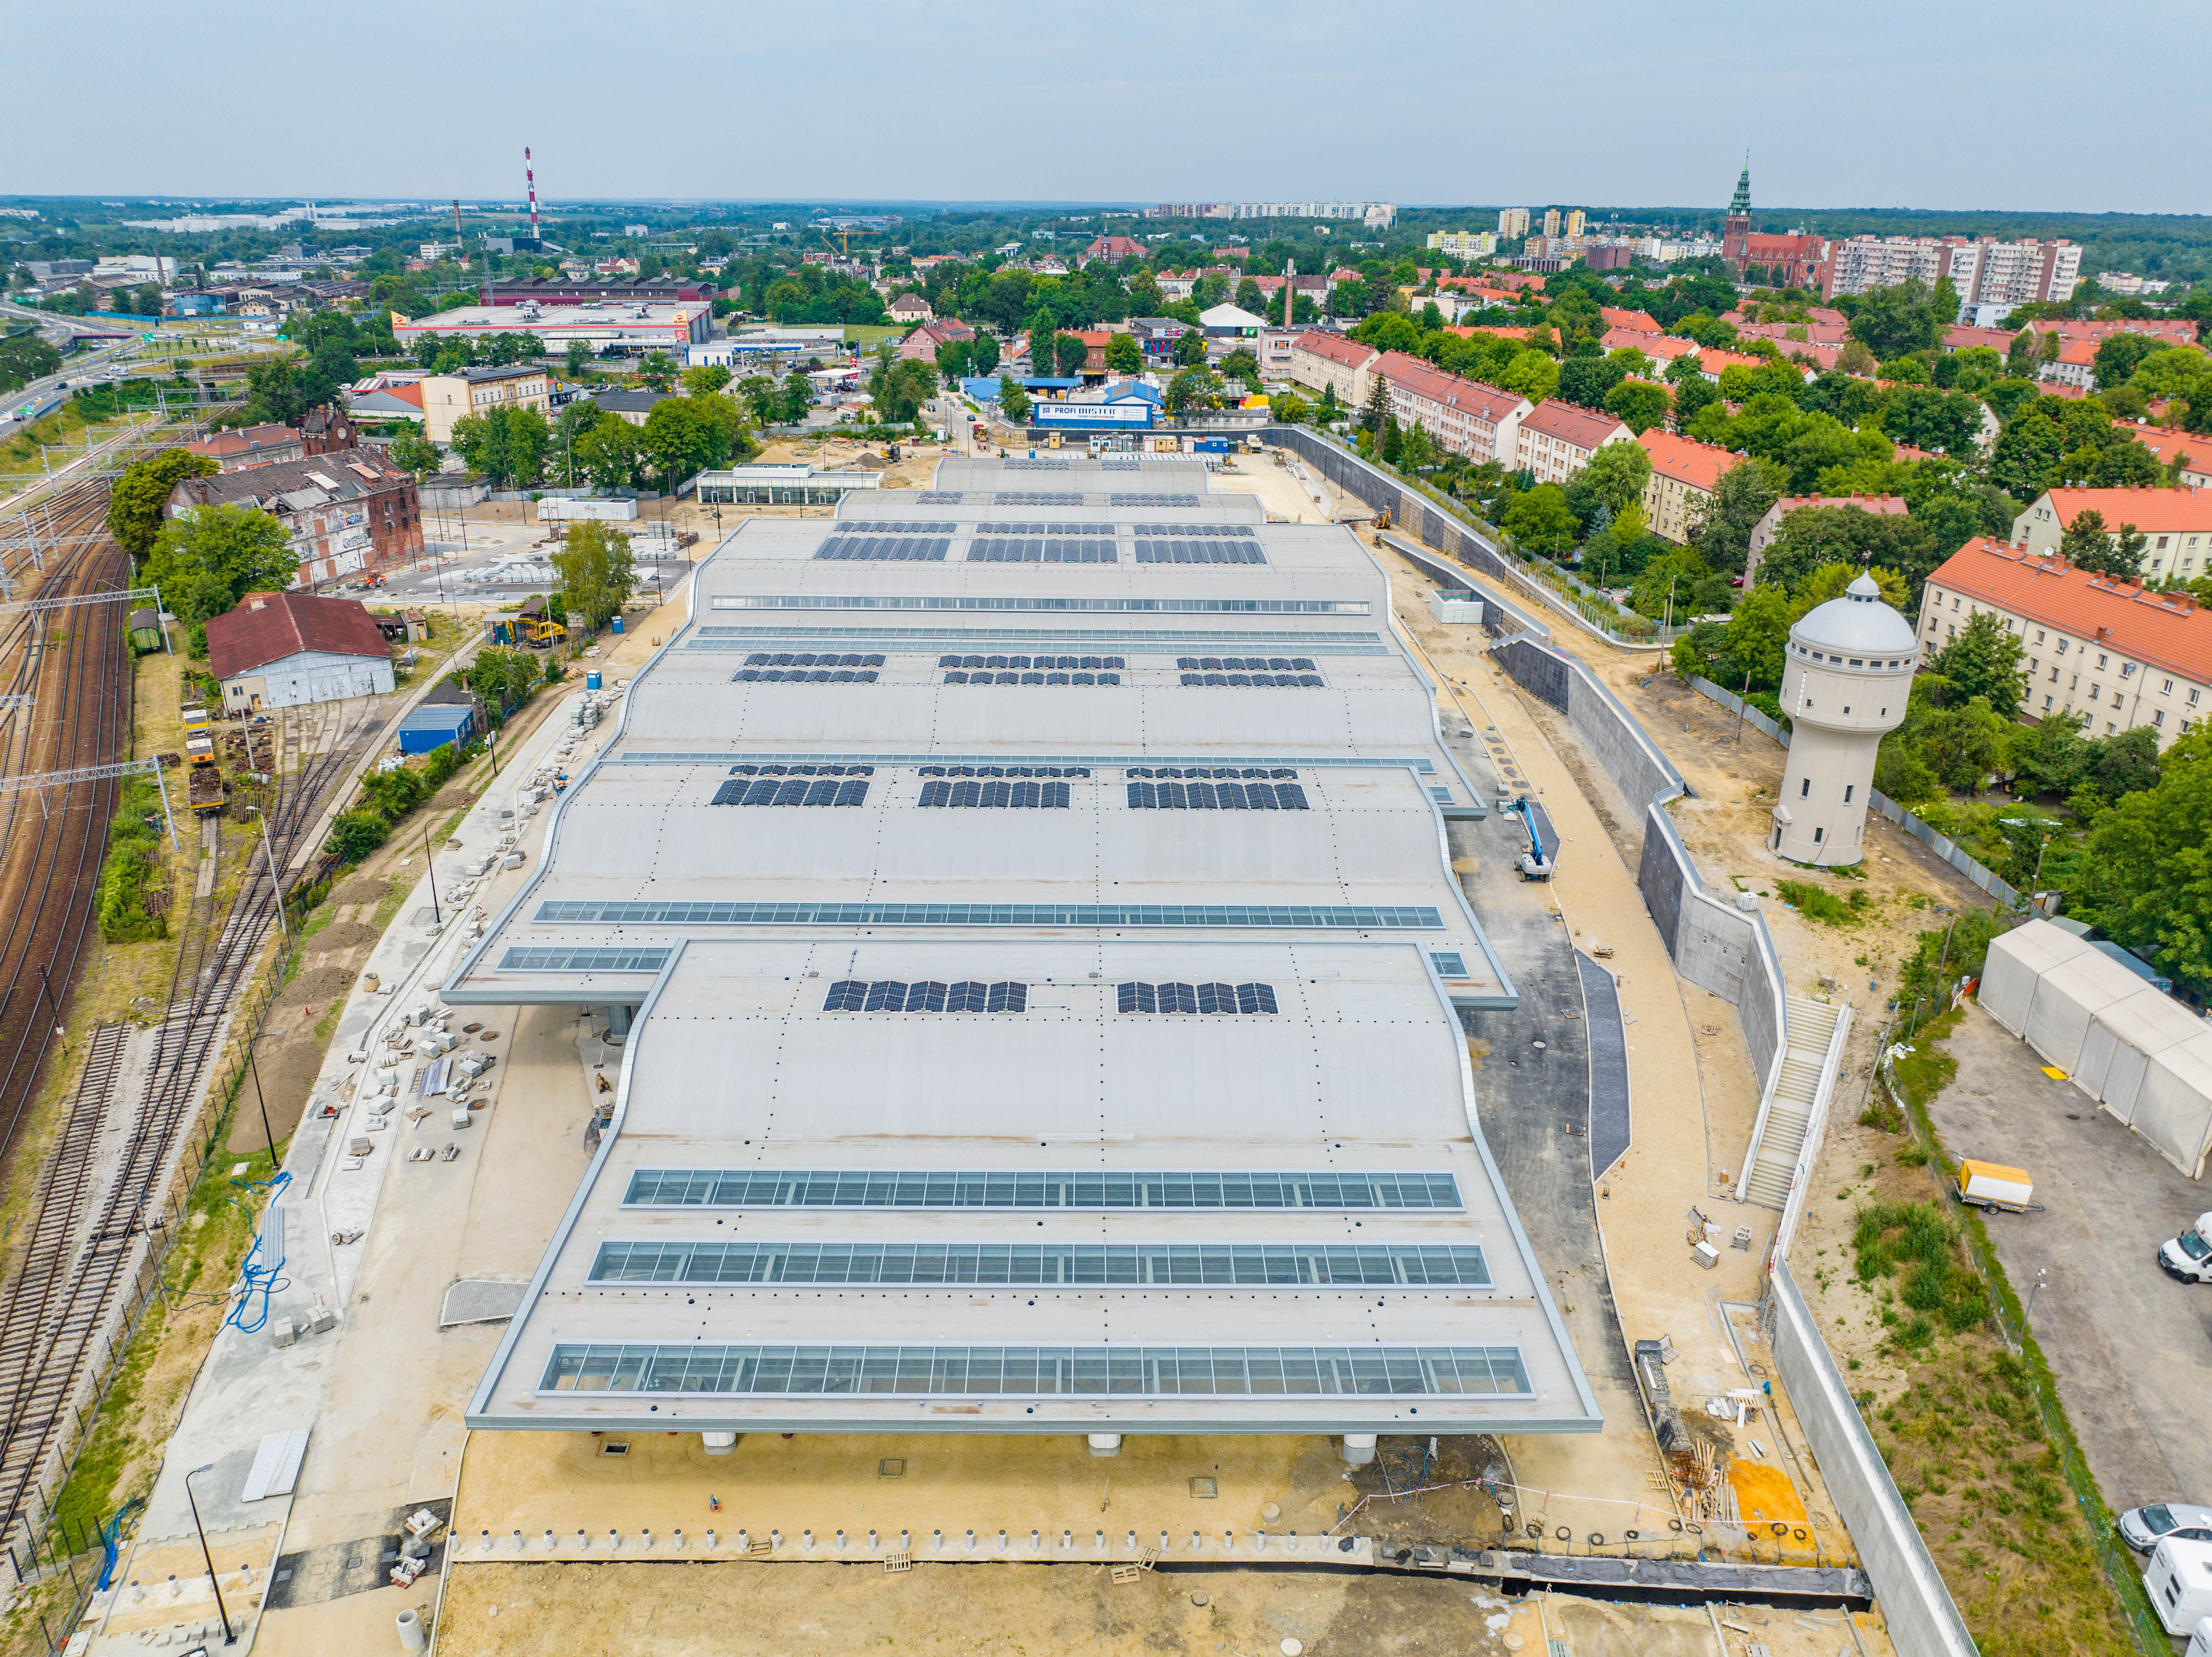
(1499, 612)
(1923, 1620)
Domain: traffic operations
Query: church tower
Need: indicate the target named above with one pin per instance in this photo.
(1735, 230)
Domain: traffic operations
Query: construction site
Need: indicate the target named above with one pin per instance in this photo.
(1342, 1227)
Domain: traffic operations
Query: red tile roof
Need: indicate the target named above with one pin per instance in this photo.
(1961, 339)
(1686, 461)
(1502, 331)
(2165, 630)
(1570, 424)
(246, 438)
(2154, 511)
(1660, 347)
(1336, 348)
(2195, 449)
(1641, 321)
(1882, 506)
(1712, 360)
(267, 627)
(1419, 379)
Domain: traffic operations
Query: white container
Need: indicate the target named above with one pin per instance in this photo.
(1706, 1255)
(461, 1117)
(2179, 1582)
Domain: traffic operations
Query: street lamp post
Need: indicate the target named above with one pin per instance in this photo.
(262, 1100)
(229, 1638)
(276, 884)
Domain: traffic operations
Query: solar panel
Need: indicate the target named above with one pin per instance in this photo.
(889, 995)
(937, 497)
(1186, 550)
(1031, 678)
(802, 676)
(1038, 463)
(1035, 497)
(1216, 998)
(1278, 681)
(911, 549)
(811, 659)
(1325, 917)
(863, 526)
(1248, 664)
(1279, 774)
(1152, 500)
(1192, 530)
(1004, 771)
(971, 792)
(1106, 530)
(792, 791)
(1089, 663)
(802, 770)
(1046, 1265)
(1008, 549)
(1039, 1189)
(1217, 796)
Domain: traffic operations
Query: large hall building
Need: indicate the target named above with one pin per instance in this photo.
(1029, 906)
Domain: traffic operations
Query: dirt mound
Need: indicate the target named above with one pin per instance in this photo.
(361, 889)
(346, 934)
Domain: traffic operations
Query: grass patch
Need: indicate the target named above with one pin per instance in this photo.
(1916, 1243)
(1928, 1069)
(1820, 904)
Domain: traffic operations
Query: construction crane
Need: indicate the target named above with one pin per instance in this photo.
(843, 246)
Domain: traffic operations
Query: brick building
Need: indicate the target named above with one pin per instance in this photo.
(343, 512)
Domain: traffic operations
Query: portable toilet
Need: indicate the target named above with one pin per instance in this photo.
(2179, 1583)
(592, 680)
(618, 626)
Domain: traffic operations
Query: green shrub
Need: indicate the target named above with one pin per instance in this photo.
(134, 839)
(1917, 1238)
(1817, 902)
(354, 834)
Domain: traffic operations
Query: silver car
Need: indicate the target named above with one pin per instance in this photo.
(2144, 1528)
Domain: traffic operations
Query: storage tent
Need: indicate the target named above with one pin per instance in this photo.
(2140, 1054)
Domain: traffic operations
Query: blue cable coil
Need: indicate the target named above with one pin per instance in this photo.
(262, 1275)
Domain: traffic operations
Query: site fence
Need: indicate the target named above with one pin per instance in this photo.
(1929, 836)
(2009, 1320)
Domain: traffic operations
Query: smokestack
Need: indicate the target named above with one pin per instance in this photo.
(531, 176)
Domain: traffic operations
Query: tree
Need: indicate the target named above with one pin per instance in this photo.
(2118, 357)
(795, 398)
(1012, 398)
(607, 451)
(1675, 586)
(1541, 523)
(1069, 355)
(2050, 757)
(25, 357)
(1892, 321)
(983, 354)
(579, 357)
(759, 392)
(707, 377)
(1722, 530)
(684, 435)
(1616, 474)
(1856, 359)
(1193, 388)
(2087, 544)
(2148, 873)
(135, 502)
(1124, 354)
(901, 388)
(657, 370)
(1189, 350)
(1947, 421)
(416, 455)
(1290, 409)
(279, 390)
(208, 557)
(2026, 459)
(1983, 660)
(1242, 364)
(594, 566)
(1377, 407)
(507, 445)
(1638, 405)
(1584, 380)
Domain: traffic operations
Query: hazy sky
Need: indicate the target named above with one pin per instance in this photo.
(1884, 103)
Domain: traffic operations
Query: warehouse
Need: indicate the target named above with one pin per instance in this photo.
(1035, 903)
(606, 327)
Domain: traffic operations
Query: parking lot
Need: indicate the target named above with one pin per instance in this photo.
(2132, 1349)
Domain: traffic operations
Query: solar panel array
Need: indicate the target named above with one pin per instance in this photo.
(1191, 551)
(1245, 531)
(1106, 530)
(1093, 663)
(1049, 796)
(811, 659)
(895, 526)
(907, 549)
(1194, 998)
(791, 791)
(1004, 770)
(1006, 550)
(1152, 500)
(890, 995)
(1366, 1372)
(1035, 497)
(1048, 1264)
(1217, 796)
(1273, 681)
(1213, 918)
(1039, 463)
(1248, 664)
(938, 498)
(1032, 679)
(1279, 774)
(802, 676)
(802, 770)
(1045, 1188)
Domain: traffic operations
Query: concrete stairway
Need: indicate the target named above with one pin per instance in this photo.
(1781, 1132)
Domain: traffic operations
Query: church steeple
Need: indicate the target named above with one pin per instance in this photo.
(1740, 207)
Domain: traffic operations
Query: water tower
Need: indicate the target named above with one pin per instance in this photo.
(1844, 681)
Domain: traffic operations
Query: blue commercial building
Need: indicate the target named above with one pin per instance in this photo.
(436, 723)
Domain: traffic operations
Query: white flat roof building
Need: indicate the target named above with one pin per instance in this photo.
(1035, 897)
(612, 324)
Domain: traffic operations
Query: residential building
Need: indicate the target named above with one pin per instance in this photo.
(1324, 362)
(287, 649)
(1558, 439)
(924, 341)
(2110, 650)
(250, 446)
(2192, 450)
(343, 512)
(1095, 341)
(2075, 365)
(1372, 215)
(1512, 223)
(909, 308)
(2177, 524)
(1551, 222)
(447, 397)
(1576, 222)
(1640, 321)
(1113, 250)
(1463, 244)
(1336, 921)
(1983, 271)
(1684, 475)
(1276, 345)
(1661, 348)
(385, 403)
(1464, 416)
(604, 326)
(1764, 532)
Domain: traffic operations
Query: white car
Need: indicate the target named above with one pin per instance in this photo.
(2144, 1528)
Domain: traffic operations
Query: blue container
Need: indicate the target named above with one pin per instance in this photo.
(618, 626)
(434, 725)
(592, 680)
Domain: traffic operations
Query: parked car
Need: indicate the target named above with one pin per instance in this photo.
(2144, 1528)
(2189, 1257)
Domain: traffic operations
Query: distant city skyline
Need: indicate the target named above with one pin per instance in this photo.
(1006, 104)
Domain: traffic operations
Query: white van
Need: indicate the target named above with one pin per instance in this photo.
(2179, 1583)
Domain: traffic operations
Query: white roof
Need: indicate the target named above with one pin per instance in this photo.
(1860, 620)
(1326, 933)
(1230, 316)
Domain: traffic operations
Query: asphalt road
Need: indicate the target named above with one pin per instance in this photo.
(2132, 1348)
